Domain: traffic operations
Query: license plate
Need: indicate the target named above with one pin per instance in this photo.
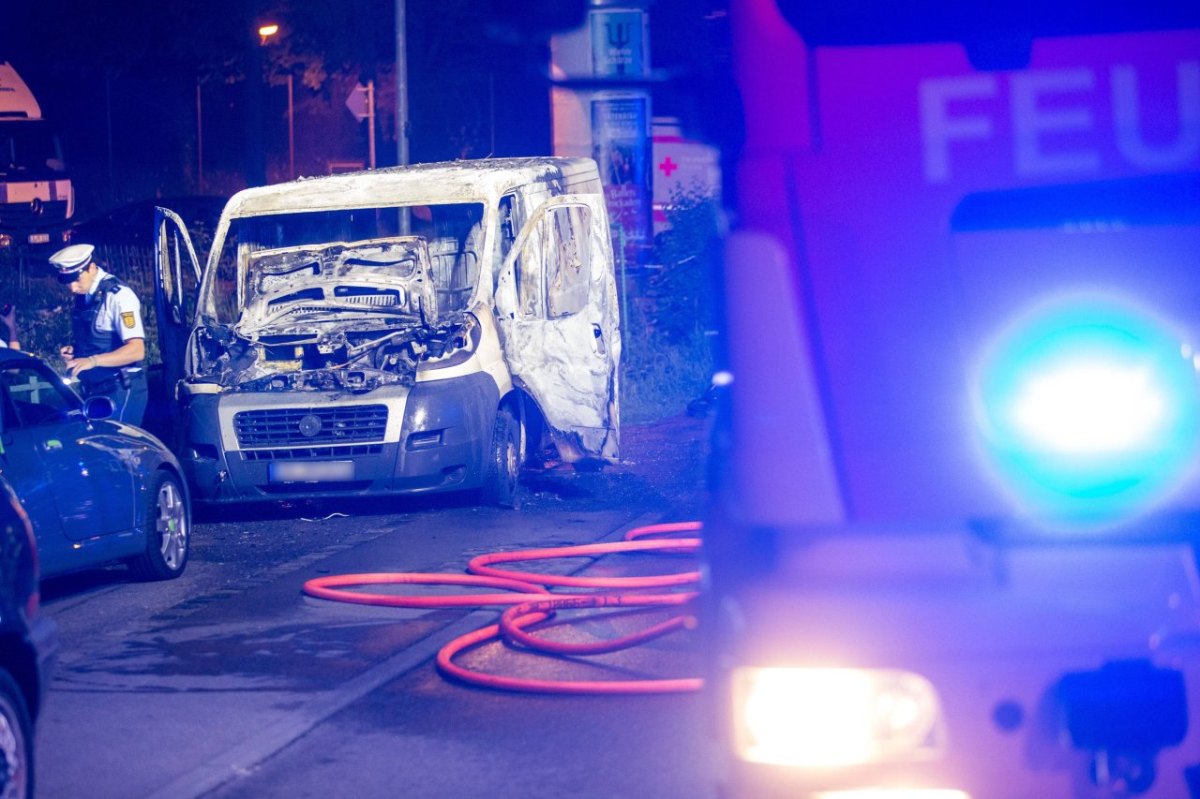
(311, 472)
(39, 238)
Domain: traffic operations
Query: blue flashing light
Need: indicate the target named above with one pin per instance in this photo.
(1089, 410)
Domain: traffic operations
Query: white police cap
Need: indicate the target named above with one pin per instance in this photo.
(73, 259)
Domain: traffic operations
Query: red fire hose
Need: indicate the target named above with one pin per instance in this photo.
(534, 605)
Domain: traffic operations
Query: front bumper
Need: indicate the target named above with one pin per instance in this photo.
(395, 440)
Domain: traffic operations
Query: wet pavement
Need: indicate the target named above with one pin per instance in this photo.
(231, 683)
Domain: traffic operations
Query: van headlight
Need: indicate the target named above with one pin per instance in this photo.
(452, 346)
(827, 717)
(1087, 408)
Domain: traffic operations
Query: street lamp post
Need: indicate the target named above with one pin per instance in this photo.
(199, 139)
(265, 32)
(291, 131)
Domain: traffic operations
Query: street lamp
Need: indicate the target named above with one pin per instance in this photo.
(265, 32)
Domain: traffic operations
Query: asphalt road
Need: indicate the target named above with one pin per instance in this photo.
(229, 682)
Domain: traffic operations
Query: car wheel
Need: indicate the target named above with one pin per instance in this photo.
(168, 531)
(16, 742)
(502, 482)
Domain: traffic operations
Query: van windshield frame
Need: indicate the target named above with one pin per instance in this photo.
(452, 234)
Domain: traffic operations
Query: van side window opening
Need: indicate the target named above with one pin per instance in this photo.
(183, 295)
(568, 263)
(510, 225)
(451, 233)
(527, 268)
(528, 272)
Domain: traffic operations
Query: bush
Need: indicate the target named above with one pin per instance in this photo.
(670, 319)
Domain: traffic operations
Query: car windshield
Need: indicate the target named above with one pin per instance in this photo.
(451, 234)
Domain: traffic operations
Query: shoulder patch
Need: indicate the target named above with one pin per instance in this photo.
(128, 318)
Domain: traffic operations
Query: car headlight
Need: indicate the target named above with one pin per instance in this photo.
(826, 717)
(1088, 409)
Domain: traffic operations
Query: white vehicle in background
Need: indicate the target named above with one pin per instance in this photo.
(397, 331)
(37, 199)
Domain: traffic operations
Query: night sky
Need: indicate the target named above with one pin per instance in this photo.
(123, 81)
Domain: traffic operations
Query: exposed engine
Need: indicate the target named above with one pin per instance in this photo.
(335, 358)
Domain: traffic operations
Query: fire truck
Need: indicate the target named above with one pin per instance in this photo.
(952, 551)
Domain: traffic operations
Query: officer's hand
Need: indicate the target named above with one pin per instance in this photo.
(67, 352)
(75, 366)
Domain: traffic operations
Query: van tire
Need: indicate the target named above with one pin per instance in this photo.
(501, 484)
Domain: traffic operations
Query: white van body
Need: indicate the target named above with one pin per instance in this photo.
(36, 196)
(403, 330)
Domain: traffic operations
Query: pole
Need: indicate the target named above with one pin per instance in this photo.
(371, 123)
(401, 84)
(112, 172)
(291, 131)
(256, 159)
(199, 141)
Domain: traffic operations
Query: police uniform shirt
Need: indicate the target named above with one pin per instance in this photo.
(121, 312)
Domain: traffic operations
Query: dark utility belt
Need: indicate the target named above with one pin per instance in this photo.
(109, 379)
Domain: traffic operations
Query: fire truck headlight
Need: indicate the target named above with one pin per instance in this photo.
(826, 717)
(894, 793)
(1088, 409)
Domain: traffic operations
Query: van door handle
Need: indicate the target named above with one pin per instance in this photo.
(598, 334)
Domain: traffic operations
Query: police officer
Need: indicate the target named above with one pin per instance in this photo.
(108, 340)
(8, 327)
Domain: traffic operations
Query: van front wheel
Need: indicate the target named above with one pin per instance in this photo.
(501, 484)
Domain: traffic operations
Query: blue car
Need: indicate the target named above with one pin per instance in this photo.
(97, 490)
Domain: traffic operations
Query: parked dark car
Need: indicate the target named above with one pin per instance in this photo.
(132, 225)
(28, 645)
(96, 489)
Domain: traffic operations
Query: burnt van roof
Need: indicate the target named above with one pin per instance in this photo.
(446, 182)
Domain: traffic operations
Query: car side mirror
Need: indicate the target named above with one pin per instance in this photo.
(98, 407)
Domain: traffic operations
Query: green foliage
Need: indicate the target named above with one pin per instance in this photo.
(669, 316)
(689, 251)
(43, 309)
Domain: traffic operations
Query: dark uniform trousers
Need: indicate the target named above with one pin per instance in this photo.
(130, 397)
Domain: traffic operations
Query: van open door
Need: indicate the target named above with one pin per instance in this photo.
(177, 281)
(557, 306)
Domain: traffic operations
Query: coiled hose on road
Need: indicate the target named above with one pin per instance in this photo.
(533, 604)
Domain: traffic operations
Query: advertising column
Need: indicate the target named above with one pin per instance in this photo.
(620, 123)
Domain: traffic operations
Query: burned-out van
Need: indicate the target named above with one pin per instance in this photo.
(396, 331)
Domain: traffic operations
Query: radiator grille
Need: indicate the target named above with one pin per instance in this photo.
(309, 427)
